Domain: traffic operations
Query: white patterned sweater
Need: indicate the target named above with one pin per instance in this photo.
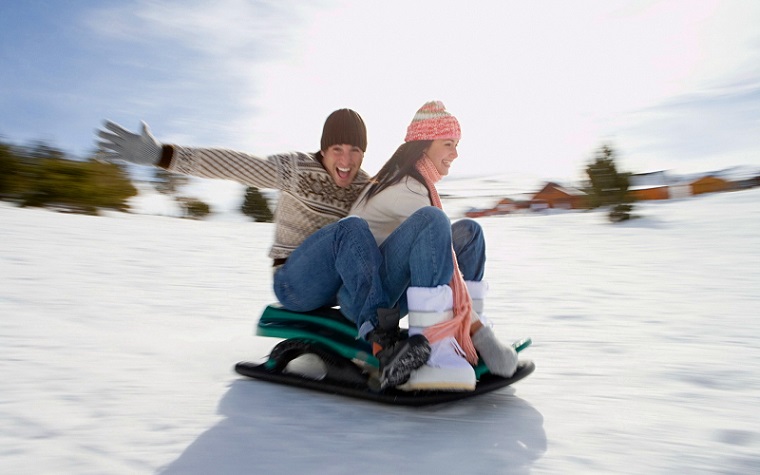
(309, 198)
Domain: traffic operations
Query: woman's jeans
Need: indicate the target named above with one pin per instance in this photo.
(341, 265)
(418, 253)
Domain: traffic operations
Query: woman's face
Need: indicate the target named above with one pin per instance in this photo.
(442, 152)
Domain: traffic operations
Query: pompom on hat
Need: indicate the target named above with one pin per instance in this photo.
(432, 121)
(344, 126)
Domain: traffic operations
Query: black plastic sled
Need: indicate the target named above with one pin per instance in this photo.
(345, 362)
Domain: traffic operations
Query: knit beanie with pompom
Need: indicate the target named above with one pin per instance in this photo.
(432, 121)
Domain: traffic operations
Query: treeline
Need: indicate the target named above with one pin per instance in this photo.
(42, 176)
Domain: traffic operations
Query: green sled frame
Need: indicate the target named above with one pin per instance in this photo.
(348, 359)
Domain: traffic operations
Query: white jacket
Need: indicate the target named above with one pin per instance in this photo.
(391, 207)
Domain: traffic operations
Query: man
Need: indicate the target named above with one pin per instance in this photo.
(320, 257)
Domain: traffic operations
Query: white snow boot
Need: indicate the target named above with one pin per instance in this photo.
(500, 359)
(447, 369)
(478, 289)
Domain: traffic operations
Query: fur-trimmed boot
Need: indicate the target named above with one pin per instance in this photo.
(500, 359)
(447, 369)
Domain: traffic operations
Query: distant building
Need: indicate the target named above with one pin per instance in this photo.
(649, 186)
(557, 196)
(504, 206)
(709, 184)
(659, 185)
(477, 212)
(649, 193)
(740, 177)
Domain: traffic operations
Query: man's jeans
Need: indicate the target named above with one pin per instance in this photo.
(337, 265)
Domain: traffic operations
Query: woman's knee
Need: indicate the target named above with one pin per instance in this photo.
(433, 215)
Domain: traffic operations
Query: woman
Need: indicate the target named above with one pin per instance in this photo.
(421, 249)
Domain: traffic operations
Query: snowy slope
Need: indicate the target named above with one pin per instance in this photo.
(118, 335)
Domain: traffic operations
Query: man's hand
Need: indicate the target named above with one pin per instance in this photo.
(119, 144)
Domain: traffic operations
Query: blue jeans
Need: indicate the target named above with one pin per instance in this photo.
(337, 265)
(470, 248)
(418, 253)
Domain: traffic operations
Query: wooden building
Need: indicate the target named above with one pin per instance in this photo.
(556, 196)
(649, 193)
(504, 206)
(709, 184)
(649, 186)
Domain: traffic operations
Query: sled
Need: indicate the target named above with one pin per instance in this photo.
(344, 363)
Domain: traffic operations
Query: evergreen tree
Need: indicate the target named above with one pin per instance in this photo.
(9, 168)
(41, 150)
(194, 208)
(607, 186)
(110, 186)
(40, 175)
(168, 183)
(256, 206)
(80, 186)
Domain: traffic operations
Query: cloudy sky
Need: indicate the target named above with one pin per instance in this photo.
(536, 85)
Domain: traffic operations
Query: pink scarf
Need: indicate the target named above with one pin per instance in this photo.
(459, 326)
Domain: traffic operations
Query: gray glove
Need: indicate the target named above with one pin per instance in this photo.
(122, 145)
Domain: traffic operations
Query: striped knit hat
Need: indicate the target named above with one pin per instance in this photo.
(432, 122)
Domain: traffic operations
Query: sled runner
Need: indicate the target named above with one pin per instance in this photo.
(343, 364)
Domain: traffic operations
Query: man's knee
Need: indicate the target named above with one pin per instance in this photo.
(467, 229)
(352, 223)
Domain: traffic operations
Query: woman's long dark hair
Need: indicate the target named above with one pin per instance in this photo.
(399, 166)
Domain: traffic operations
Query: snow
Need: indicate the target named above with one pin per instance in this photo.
(119, 333)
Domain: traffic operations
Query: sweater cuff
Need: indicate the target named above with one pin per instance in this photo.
(167, 155)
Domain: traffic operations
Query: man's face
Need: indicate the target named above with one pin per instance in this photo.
(342, 162)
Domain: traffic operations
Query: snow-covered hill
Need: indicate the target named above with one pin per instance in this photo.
(118, 335)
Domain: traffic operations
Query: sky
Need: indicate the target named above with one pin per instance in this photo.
(538, 86)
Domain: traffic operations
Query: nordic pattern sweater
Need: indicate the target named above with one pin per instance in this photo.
(309, 198)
